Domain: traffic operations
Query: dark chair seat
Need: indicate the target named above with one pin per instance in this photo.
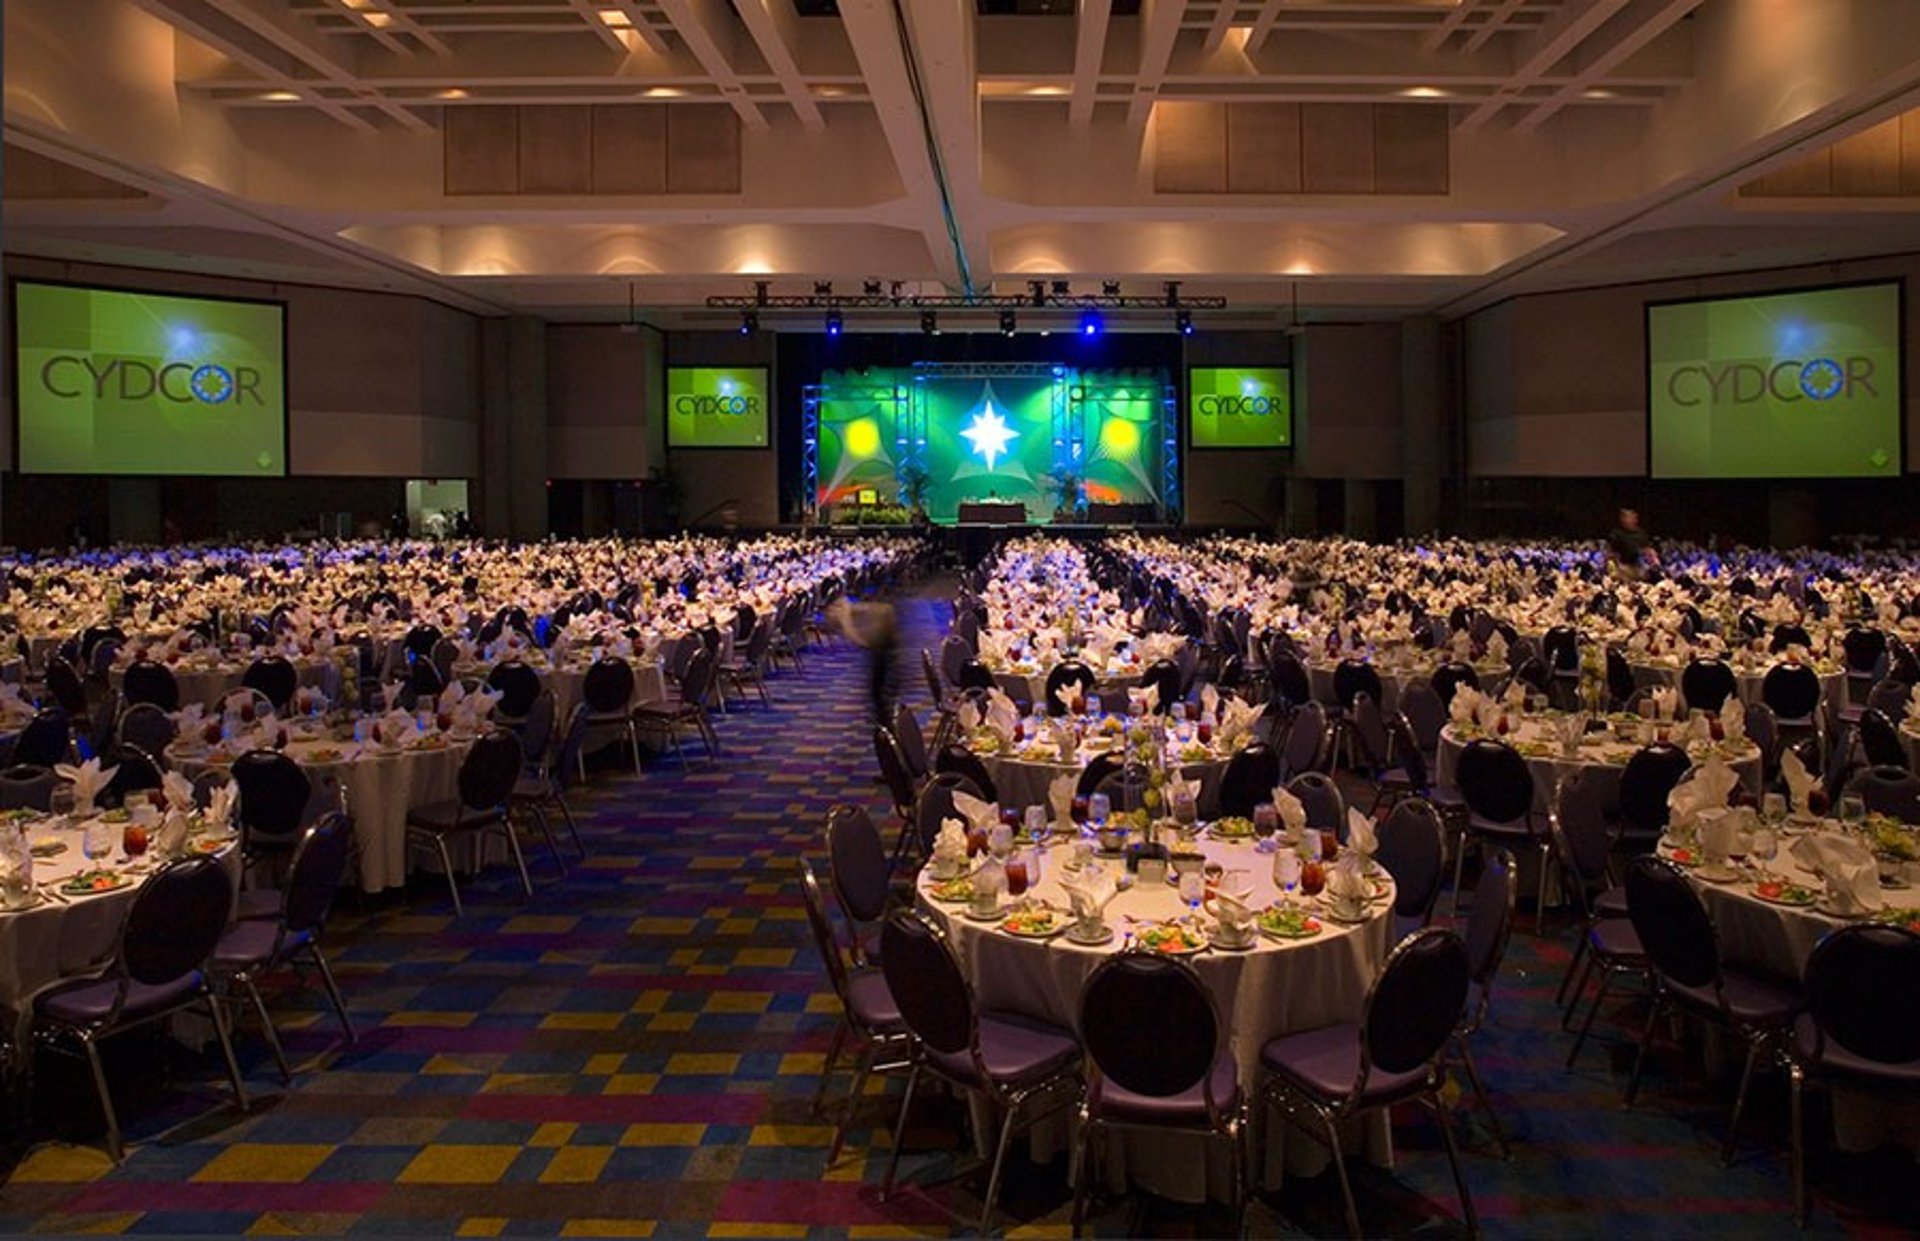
(1836, 1061)
(258, 903)
(872, 1003)
(1015, 1049)
(1611, 903)
(250, 945)
(1116, 1103)
(1752, 998)
(451, 816)
(1324, 1063)
(1519, 830)
(90, 1001)
(1615, 939)
(532, 786)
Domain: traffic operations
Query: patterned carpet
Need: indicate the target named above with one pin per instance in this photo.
(632, 1053)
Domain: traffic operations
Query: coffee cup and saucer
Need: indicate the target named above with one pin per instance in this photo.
(1089, 931)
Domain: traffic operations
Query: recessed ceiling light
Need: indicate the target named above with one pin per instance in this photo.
(615, 19)
(1597, 92)
(453, 92)
(1423, 92)
(664, 92)
(280, 96)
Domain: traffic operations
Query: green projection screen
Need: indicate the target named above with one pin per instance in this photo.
(1239, 407)
(717, 407)
(1786, 385)
(991, 433)
(144, 383)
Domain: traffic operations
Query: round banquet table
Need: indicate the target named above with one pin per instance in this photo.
(1395, 676)
(649, 682)
(209, 682)
(1778, 939)
(1022, 778)
(1599, 752)
(55, 939)
(1029, 685)
(1910, 738)
(1277, 987)
(1747, 680)
(380, 785)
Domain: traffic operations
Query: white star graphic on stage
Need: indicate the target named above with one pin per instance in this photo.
(989, 434)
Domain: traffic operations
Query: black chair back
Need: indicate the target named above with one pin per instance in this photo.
(1095, 773)
(893, 768)
(148, 682)
(1164, 676)
(274, 676)
(1371, 729)
(1672, 923)
(1249, 780)
(608, 686)
(1352, 677)
(1289, 679)
(313, 879)
(27, 787)
(974, 675)
(134, 771)
(66, 687)
(517, 684)
(147, 726)
(536, 726)
(1890, 697)
(420, 641)
(1582, 818)
(1306, 738)
(824, 939)
(935, 805)
(175, 919)
(1495, 781)
(963, 762)
(1449, 677)
(912, 742)
(1415, 1003)
(1320, 797)
(1126, 789)
(1863, 992)
(1706, 684)
(1072, 674)
(490, 770)
(1863, 648)
(273, 793)
(1424, 713)
(1161, 1058)
(1649, 777)
(1561, 648)
(926, 983)
(1889, 790)
(1620, 684)
(1412, 846)
(1792, 690)
(1785, 635)
(857, 860)
(1490, 921)
(1880, 740)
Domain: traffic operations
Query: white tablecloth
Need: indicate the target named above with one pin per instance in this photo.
(1023, 782)
(1277, 987)
(210, 684)
(1747, 681)
(1607, 756)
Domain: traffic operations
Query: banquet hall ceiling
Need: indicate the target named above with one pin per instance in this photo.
(1330, 159)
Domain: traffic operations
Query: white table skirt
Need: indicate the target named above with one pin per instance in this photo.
(1022, 783)
(1549, 770)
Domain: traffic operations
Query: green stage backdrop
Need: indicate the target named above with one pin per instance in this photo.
(1790, 385)
(1239, 407)
(717, 407)
(1005, 436)
(142, 383)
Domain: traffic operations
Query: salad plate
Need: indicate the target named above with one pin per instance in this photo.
(1076, 936)
(1035, 922)
(94, 882)
(1777, 892)
(1291, 922)
(955, 891)
(1173, 939)
(1233, 827)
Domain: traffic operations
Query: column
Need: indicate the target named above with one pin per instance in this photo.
(1424, 400)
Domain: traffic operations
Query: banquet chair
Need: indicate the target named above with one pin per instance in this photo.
(1098, 768)
(680, 658)
(1172, 1074)
(67, 688)
(158, 968)
(1861, 1029)
(748, 670)
(1447, 678)
(535, 789)
(1413, 849)
(1068, 673)
(913, 743)
(1394, 1054)
(443, 655)
(1320, 797)
(147, 726)
(1497, 786)
(961, 761)
(946, 702)
(1582, 848)
(250, 948)
(151, 684)
(607, 691)
(1620, 682)
(24, 786)
(45, 740)
(1764, 732)
(1889, 790)
(1880, 740)
(274, 676)
(483, 805)
(518, 685)
(274, 792)
(1125, 789)
(1372, 748)
(96, 737)
(1706, 684)
(1645, 783)
(687, 706)
(1011, 1060)
(1306, 741)
(1689, 975)
(1351, 678)
(424, 680)
(419, 642)
(1164, 676)
(1890, 697)
(974, 675)
(544, 783)
(1793, 691)
(134, 772)
(858, 866)
(1902, 665)
(1607, 942)
(1489, 928)
(1250, 777)
(1560, 647)
(954, 651)
(900, 787)
(1863, 651)
(867, 1012)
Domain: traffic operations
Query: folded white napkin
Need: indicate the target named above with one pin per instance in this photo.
(969, 717)
(1150, 698)
(178, 789)
(1571, 731)
(188, 719)
(1239, 719)
(1638, 643)
(1002, 715)
(1209, 700)
(1360, 834)
(1709, 788)
(1089, 890)
(1063, 694)
(1799, 782)
(88, 781)
(221, 805)
(950, 847)
(1733, 719)
(1349, 878)
(1497, 647)
(1516, 694)
(1719, 828)
(1292, 814)
(1852, 876)
(396, 727)
(1666, 700)
(16, 866)
(1465, 706)
(171, 840)
(983, 816)
(1060, 792)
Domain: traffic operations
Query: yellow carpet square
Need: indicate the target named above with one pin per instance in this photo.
(553, 1133)
(663, 1135)
(248, 1161)
(702, 1064)
(671, 1022)
(764, 958)
(739, 1001)
(576, 1164)
(632, 1083)
(607, 1228)
(581, 1021)
(61, 1165)
(459, 1165)
(601, 1065)
(481, 1226)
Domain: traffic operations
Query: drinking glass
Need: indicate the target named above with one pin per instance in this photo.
(1313, 878)
(1765, 848)
(96, 842)
(1037, 823)
(60, 802)
(1098, 807)
(1853, 809)
(1077, 810)
(133, 839)
(1193, 890)
(1266, 820)
(1184, 811)
(1286, 872)
(1773, 808)
(1016, 877)
(1000, 841)
(1093, 704)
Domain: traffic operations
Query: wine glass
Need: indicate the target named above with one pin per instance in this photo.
(1286, 873)
(60, 802)
(1036, 821)
(96, 843)
(1765, 848)
(1853, 810)
(1193, 890)
(1185, 812)
(1266, 820)
(1773, 808)
(1099, 806)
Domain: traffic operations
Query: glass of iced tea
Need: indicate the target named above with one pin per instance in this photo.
(1313, 879)
(1016, 877)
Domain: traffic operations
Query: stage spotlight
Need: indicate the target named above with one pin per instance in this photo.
(823, 288)
(1008, 323)
(1110, 288)
(749, 322)
(871, 288)
(1062, 288)
(1183, 322)
(833, 323)
(1090, 324)
(929, 323)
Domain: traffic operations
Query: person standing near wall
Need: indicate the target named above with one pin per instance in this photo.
(1630, 552)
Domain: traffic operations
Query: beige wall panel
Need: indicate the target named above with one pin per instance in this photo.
(1263, 148)
(556, 150)
(629, 148)
(1189, 148)
(482, 146)
(703, 150)
(1336, 142)
(1410, 149)
(1867, 165)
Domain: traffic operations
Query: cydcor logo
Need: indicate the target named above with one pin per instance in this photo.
(183, 383)
(1743, 383)
(739, 406)
(1243, 406)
